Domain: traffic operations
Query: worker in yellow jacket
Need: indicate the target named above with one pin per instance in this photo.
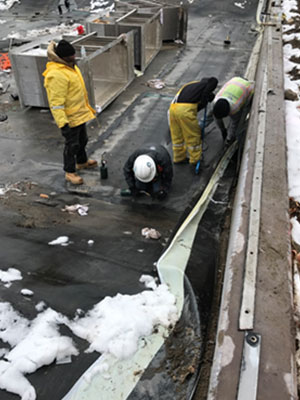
(184, 127)
(69, 105)
(230, 102)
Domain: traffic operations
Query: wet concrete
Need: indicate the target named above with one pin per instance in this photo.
(78, 275)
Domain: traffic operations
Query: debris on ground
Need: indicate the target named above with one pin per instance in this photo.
(150, 233)
(61, 240)
(81, 209)
(178, 41)
(4, 61)
(44, 196)
(156, 84)
(27, 292)
(138, 73)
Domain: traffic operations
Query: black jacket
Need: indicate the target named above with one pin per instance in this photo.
(200, 92)
(162, 160)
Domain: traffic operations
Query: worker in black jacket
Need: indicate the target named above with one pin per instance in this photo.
(183, 122)
(149, 169)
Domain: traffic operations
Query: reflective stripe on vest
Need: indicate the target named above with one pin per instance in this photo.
(236, 91)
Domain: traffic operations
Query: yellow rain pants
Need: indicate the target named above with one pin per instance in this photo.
(185, 132)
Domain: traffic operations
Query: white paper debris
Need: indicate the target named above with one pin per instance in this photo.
(90, 242)
(156, 84)
(150, 233)
(81, 209)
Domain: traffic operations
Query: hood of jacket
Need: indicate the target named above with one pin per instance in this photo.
(52, 56)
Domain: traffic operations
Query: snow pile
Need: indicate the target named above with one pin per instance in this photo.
(289, 8)
(292, 108)
(116, 324)
(62, 29)
(241, 5)
(12, 274)
(35, 344)
(96, 5)
(7, 4)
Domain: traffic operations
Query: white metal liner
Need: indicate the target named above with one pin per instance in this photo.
(147, 30)
(107, 67)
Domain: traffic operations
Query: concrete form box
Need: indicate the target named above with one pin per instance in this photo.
(106, 64)
(174, 15)
(146, 27)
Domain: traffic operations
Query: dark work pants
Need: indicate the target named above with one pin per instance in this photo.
(74, 151)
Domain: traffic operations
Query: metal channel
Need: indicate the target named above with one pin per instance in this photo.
(248, 298)
(250, 367)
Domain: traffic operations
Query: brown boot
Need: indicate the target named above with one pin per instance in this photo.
(88, 164)
(73, 178)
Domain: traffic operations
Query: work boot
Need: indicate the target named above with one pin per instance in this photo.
(87, 165)
(73, 178)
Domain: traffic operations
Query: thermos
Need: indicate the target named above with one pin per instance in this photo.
(103, 170)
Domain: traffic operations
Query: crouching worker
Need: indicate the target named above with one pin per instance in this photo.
(149, 169)
(184, 127)
(69, 105)
(231, 101)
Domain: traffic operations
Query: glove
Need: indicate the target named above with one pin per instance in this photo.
(162, 194)
(66, 130)
(134, 191)
(224, 133)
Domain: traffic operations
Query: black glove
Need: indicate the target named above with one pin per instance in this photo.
(224, 134)
(134, 191)
(162, 194)
(66, 130)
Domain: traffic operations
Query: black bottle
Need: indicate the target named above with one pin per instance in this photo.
(103, 170)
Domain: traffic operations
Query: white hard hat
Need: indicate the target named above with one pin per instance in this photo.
(144, 168)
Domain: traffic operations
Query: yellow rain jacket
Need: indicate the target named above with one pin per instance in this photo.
(66, 91)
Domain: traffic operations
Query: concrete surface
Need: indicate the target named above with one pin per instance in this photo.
(273, 312)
